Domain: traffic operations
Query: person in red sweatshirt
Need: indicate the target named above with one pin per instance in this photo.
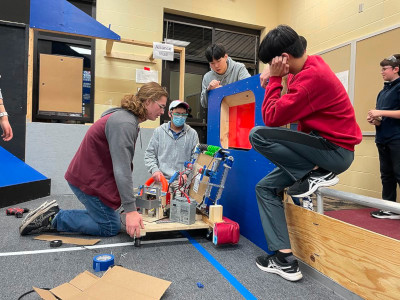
(305, 159)
(100, 173)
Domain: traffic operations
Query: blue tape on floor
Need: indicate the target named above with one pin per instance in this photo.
(232, 280)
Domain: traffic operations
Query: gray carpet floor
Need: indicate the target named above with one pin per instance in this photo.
(168, 256)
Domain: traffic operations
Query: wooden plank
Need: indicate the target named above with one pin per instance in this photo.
(30, 76)
(362, 261)
(182, 75)
(151, 226)
(131, 57)
(109, 46)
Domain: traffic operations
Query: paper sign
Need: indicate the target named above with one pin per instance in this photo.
(196, 183)
(144, 76)
(344, 79)
(163, 51)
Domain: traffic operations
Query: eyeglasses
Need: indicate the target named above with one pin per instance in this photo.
(392, 58)
(161, 106)
(179, 115)
(385, 68)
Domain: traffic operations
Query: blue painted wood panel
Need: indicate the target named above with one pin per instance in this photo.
(249, 167)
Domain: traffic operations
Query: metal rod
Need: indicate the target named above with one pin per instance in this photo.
(362, 200)
(320, 202)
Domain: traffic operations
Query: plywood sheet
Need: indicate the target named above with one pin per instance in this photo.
(60, 83)
(362, 261)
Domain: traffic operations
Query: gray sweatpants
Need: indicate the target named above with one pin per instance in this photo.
(295, 154)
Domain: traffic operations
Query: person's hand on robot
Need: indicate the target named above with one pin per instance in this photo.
(134, 223)
(214, 84)
(157, 176)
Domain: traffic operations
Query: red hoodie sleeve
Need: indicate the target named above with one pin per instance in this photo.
(280, 110)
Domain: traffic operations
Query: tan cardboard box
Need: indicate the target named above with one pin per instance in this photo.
(117, 283)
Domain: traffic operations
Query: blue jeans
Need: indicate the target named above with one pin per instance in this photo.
(96, 219)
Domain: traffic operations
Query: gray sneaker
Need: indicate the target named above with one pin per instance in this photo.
(39, 220)
(307, 203)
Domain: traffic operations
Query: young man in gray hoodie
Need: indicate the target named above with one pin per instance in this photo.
(224, 70)
(172, 144)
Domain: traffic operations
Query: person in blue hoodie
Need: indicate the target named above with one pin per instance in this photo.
(224, 70)
(172, 144)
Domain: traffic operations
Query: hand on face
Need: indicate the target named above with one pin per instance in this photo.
(279, 66)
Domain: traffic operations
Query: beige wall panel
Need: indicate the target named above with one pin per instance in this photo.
(338, 59)
(117, 85)
(368, 81)
(109, 98)
(367, 147)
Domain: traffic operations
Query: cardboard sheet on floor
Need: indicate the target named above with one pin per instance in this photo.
(117, 283)
(68, 240)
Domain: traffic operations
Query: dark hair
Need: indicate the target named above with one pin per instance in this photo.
(393, 61)
(136, 103)
(303, 42)
(279, 40)
(215, 51)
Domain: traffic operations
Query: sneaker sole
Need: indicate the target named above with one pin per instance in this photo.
(331, 182)
(33, 212)
(387, 217)
(288, 276)
(39, 212)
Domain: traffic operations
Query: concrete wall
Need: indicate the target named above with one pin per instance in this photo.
(50, 148)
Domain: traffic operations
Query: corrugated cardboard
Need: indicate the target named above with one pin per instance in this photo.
(68, 240)
(202, 160)
(117, 283)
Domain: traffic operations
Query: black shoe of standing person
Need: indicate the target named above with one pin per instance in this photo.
(271, 264)
(384, 214)
(311, 182)
(39, 220)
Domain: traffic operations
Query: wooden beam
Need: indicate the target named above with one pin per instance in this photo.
(181, 73)
(109, 46)
(30, 76)
(365, 262)
(128, 56)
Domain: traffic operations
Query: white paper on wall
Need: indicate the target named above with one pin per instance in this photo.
(163, 51)
(144, 76)
(344, 79)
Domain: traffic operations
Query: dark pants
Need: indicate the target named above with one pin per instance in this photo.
(389, 158)
(295, 154)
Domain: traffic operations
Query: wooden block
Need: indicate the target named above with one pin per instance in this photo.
(215, 213)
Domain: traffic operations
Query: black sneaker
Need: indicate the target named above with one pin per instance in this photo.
(39, 220)
(311, 182)
(270, 263)
(384, 214)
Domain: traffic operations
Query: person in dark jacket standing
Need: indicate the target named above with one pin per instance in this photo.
(386, 118)
(100, 174)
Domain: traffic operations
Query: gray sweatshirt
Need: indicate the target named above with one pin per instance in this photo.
(235, 72)
(121, 132)
(168, 155)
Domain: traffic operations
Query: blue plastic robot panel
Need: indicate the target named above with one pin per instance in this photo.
(16, 171)
(249, 167)
(62, 16)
